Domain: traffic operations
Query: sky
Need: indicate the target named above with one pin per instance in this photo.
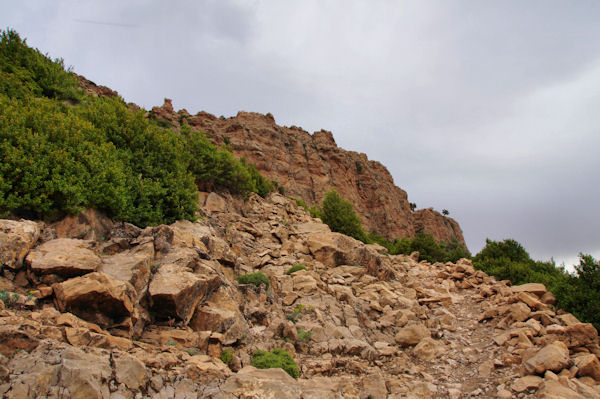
(489, 109)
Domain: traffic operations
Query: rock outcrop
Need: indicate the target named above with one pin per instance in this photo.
(307, 166)
(160, 314)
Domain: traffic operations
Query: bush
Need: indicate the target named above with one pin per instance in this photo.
(257, 279)
(276, 358)
(304, 336)
(227, 356)
(339, 215)
(97, 153)
(295, 268)
(578, 294)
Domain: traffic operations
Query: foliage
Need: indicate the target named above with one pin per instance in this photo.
(445, 212)
(304, 336)
(301, 203)
(578, 294)
(295, 268)
(257, 279)
(276, 358)
(227, 356)
(296, 314)
(60, 157)
(429, 249)
(338, 213)
(413, 206)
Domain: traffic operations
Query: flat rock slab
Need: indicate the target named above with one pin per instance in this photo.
(66, 257)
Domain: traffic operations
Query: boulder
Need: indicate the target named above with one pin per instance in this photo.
(66, 257)
(204, 369)
(129, 371)
(332, 249)
(132, 266)
(87, 225)
(588, 365)
(428, 349)
(220, 313)
(580, 334)
(96, 297)
(255, 383)
(16, 239)
(175, 290)
(555, 390)
(533, 288)
(553, 357)
(412, 334)
(528, 382)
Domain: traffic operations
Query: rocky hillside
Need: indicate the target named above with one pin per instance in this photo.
(96, 308)
(307, 166)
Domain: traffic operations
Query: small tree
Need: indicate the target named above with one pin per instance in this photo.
(413, 206)
(339, 215)
(445, 212)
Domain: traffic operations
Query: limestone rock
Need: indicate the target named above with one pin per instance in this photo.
(130, 371)
(132, 266)
(555, 390)
(554, 357)
(175, 290)
(16, 239)
(412, 334)
(203, 368)
(250, 382)
(63, 256)
(428, 349)
(588, 365)
(528, 382)
(534, 288)
(96, 297)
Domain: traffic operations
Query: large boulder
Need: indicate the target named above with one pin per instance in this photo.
(412, 334)
(16, 239)
(553, 357)
(221, 314)
(332, 249)
(64, 256)
(176, 290)
(96, 297)
(250, 382)
(532, 288)
(132, 266)
(52, 368)
(130, 371)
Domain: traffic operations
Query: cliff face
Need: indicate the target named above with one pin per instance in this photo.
(308, 166)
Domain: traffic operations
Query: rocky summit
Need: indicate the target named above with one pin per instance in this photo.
(307, 166)
(96, 308)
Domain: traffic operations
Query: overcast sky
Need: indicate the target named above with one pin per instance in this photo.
(490, 109)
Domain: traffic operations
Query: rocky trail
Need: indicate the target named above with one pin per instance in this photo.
(95, 308)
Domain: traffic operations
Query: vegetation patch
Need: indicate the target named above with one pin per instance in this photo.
(295, 268)
(338, 213)
(64, 151)
(577, 293)
(304, 336)
(227, 356)
(257, 279)
(276, 358)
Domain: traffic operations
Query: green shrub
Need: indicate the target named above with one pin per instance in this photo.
(338, 213)
(257, 279)
(60, 157)
(276, 358)
(578, 294)
(227, 356)
(301, 203)
(304, 336)
(295, 268)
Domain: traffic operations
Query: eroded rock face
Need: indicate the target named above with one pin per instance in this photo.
(308, 166)
(16, 238)
(64, 256)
